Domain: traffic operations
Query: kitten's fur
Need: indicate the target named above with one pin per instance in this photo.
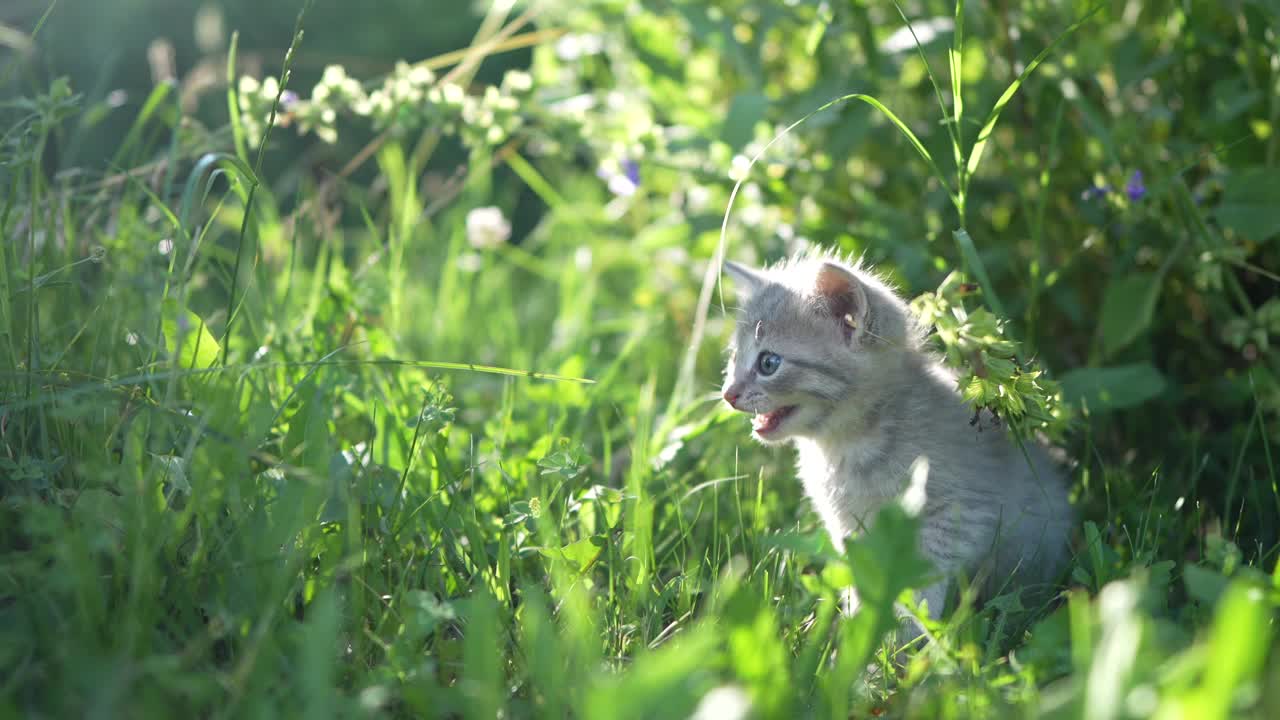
(868, 401)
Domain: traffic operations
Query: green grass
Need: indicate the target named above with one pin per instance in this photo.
(290, 445)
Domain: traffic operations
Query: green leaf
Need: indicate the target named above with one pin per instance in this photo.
(971, 257)
(188, 337)
(580, 555)
(1238, 645)
(1251, 203)
(745, 111)
(1112, 388)
(1204, 585)
(758, 658)
(482, 674)
(316, 662)
(1127, 309)
(308, 442)
(885, 561)
(666, 682)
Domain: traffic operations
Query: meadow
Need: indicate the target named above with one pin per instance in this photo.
(350, 382)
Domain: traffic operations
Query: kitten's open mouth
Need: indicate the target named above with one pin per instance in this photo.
(767, 423)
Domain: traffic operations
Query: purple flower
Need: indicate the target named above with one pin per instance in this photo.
(288, 99)
(1134, 188)
(623, 179)
(632, 171)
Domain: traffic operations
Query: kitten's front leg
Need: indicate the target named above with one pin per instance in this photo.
(910, 633)
(934, 596)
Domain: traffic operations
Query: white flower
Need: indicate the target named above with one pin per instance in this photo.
(270, 88)
(421, 76)
(453, 93)
(739, 167)
(727, 702)
(622, 185)
(487, 228)
(569, 48)
(334, 75)
(517, 81)
(573, 46)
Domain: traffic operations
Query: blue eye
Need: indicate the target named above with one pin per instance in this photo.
(767, 363)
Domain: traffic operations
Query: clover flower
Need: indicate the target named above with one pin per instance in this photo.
(487, 228)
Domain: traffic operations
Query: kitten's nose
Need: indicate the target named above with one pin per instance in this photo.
(731, 397)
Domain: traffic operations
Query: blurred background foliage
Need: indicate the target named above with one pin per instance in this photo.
(226, 450)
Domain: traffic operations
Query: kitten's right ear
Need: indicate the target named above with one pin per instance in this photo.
(748, 279)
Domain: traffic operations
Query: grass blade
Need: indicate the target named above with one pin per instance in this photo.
(956, 58)
(975, 155)
(953, 125)
(971, 257)
(233, 102)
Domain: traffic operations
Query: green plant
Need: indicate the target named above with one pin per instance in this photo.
(353, 432)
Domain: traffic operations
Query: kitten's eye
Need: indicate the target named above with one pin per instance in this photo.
(768, 363)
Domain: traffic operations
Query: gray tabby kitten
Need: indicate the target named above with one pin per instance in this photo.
(829, 358)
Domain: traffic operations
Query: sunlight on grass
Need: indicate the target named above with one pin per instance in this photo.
(336, 386)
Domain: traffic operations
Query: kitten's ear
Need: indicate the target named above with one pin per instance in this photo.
(748, 279)
(844, 298)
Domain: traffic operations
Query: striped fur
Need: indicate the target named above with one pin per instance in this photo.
(868, 401)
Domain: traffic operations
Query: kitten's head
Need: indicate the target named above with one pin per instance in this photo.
(813, 335)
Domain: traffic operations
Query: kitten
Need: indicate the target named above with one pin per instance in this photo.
(830, 359)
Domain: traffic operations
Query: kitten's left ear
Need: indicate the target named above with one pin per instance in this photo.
(748, 279)
(844, 298)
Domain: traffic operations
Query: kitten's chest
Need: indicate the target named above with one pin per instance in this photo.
(847, 484)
